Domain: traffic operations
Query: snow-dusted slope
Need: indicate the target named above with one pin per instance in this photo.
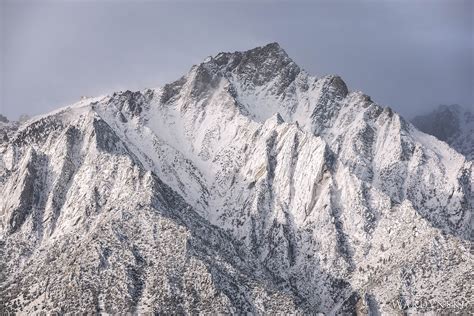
(246, 185)
(453, 124)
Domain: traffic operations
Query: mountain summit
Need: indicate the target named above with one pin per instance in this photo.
(246, 186)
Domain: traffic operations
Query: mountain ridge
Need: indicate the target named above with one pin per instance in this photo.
(292, 168)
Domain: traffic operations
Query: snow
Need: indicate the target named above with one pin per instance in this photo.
(70, 111)
(249, 184)
(449, 158)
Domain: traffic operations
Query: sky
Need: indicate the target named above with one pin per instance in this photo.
(409, 55)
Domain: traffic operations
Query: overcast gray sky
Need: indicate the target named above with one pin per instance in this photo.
(410, 55)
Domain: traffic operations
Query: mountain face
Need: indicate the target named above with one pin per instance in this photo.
(245, 186)
(453, 124)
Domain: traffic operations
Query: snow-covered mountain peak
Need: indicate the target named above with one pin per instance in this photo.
(247, 185)
(258, 66)
(260, 59)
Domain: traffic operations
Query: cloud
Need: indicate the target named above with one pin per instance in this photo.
(408, 55)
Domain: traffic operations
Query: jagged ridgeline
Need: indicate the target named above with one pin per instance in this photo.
(246, 186)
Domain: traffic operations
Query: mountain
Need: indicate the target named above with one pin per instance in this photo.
(247, 185)
(3, 119)
(7, 128)
(453, 124)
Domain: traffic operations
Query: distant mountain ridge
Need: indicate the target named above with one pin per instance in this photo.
(3, 119)
(246, 186)
(453, 124)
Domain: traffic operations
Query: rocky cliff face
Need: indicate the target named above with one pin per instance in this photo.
(245, 186)
(453, 124)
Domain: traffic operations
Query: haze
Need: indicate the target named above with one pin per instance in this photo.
(410, 55)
